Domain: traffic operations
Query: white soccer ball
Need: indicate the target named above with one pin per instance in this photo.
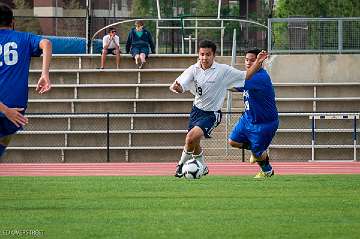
(193, 169)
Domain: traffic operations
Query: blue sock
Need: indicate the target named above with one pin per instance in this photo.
(265, 165)
(2, 149)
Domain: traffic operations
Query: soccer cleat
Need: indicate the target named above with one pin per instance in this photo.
(263, 175)
(206, 170)
(178, 172)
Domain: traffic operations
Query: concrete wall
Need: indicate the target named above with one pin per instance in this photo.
(314, 68)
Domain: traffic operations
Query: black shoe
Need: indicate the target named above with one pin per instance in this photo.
(178, 172)
(206, 171)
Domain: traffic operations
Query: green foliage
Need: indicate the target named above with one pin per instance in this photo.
(319, 8)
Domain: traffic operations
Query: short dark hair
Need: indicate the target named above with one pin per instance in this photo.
(111, 29)
(254, 51)
(6, 15)
(208, 44)
(139, 23)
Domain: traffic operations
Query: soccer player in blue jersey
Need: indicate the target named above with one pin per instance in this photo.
(208, 81)
(16, 49)
(257, 126)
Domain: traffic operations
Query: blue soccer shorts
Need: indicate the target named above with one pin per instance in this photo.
(259, 136)
(206, 120)
(7, 127)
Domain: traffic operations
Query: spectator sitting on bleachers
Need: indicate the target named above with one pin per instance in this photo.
(111, 45)
(138, 43)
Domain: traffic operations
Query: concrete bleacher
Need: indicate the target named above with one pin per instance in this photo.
(142, 123)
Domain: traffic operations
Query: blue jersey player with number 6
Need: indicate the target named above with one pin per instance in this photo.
(259, 123)
(16, 50)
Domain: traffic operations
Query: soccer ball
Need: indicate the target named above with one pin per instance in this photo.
(193, 169)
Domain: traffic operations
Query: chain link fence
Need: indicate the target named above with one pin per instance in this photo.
(314, 35)
(114, 137)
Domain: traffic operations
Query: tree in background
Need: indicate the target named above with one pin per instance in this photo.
(319, 8)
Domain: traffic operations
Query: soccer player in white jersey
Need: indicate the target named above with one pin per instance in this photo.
(208, 81)
(16, 50)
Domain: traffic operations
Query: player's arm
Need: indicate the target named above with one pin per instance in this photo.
(176, 87)
(117, 43)
(106, 43)
(14, 115)
(44, 83)
(257, 64)
(183, 82)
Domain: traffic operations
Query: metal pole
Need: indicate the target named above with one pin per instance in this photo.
(222, 32)
(158, 9)
(313, 138)
(219, 9)
(189, 44)
(269, 31)
(196, 36)
(107, 137)
(88, 22)
(340, 36)
(354, 138)
(157, 37)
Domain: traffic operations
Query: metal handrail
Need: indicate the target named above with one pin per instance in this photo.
(196, 19)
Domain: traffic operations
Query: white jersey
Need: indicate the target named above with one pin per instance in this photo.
(106, 40)
(209, 86)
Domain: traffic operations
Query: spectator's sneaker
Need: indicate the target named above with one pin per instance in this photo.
(206, 170)
(263, 175)
(178, 172)
(141, 65)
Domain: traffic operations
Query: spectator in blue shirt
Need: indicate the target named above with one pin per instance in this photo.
(138, 43)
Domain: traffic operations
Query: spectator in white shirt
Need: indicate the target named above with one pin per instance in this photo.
(111, 45)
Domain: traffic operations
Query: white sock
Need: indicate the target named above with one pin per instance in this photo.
(185, 156)
(200, 157)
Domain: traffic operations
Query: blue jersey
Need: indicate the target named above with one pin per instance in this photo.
(16, 50)
(259, 99)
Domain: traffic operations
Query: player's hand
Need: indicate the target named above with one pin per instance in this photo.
(14, 115)
(262, 56)
(176, 87)
(43, 85)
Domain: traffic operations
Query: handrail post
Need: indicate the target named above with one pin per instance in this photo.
(108, 137)
(157, 37)
(222, 33)
(189, 44)
(354, 137)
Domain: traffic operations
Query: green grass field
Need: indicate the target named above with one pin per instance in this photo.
(317, 206)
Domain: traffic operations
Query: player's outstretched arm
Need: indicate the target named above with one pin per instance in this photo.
(14, 115)
(257, 64)
(176, 87)
(44, 84)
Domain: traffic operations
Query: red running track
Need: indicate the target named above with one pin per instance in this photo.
(168, 169)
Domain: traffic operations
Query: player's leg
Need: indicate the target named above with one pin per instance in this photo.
(207, 123)
(192, 142)
(4, 142)
(103, 58)
(238, 137)
(260, 139)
